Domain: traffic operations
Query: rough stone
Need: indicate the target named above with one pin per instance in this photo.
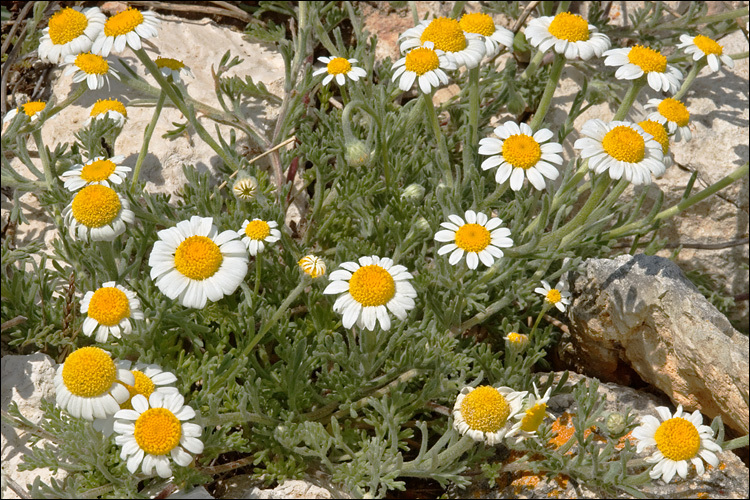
(242, 487)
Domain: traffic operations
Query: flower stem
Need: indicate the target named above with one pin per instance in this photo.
(549, 92)
(49, 175)
(546, 307)
(629, 99)
(473, 139)
(146, 140)
(257, 273)
(440, 138)
(690, 78)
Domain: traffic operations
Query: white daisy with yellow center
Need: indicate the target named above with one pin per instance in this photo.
(193, 263)
(312, 265)
(126, 28)
(521, 153)
(99, 213)
(486, 413)
(569, 34)
(109, 310)
(532, 415)
(479, 237)
(636, 61)
(673, 114)
(108, 108)
(70, 31)
(558, 296)
(31, 110)
(623, 148)
(678, 439)
(479, 23)
(660, 135)
(424, 64)
(156, 429)
(92, 68)
(90, 385)
(100, 170)
(255, 232)
(446, 35)
(339, 68)
(517, 340)
(370, 289)
(173, 68)
(702, 46)
(245, 188)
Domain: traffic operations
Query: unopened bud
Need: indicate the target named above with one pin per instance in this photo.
(421, 225)
(413, 193)
(357, 154)
(615, 423)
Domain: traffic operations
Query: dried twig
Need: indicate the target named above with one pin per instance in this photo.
(522, 18)
(235, 13)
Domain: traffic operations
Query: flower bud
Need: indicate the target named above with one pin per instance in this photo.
(356, 154)
(421, 225)
(615, 423)
(413, 193)
(245, 188)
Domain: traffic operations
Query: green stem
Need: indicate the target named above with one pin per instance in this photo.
(440, 138)
(740, 442)
(546, 307)
(448, 456)
(629, 99)
(146, 140)
(473, 141)
(690, 78)
(533, 65)
(344, 95)
(257, 273)
(549, 92)
(49, 175)
(723, 16)
(79, 91)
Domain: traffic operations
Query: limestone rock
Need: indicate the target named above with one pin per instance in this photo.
(242, 487)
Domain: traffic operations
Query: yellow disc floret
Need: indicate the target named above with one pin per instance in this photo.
(477, 22)
(92, 64)
(421, 60)
(674, 111)
(168, 62)
(198, 257)
(98, 170)
(109, 306)
(521, 151)
(518, 338)
(103, 105)
(446, 34)
(257, 230)
(33, 107)
(707, 45)
(624, 144)
(553, 296)
(67, 25)
(472, 237)
(157, 431)
(647, 59)
(142, 385)
(570, 27)
(533, 417)
(372, 286)
(123, 23)
(659, 133)
(485, 409)
(96, 206)
(339, 66)
(89, 372)
(678, 439)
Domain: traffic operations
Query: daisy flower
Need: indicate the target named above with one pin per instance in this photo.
(678, 439)
(31, 109)
(255, 232)
(623, 148)
(245, 188)
(70, 31)
(312, 265)
(518, 340)
(702, 46)
(558, 296)
(520, 153)
(570, 35)
(97, 171)
(108, 108)
(193, 263)
(339, 68)
(126, 28)
(532, 414)
(463, 49)
(494, 36)
(424, 64)
(673, 114)
(370, 289)
(173, 68)
(156, 429)
(99, 213)
(660, 135)
(109, 310)
(486, 413)
(89, 384)
(480, 237)
(636, 61)
(90, 67)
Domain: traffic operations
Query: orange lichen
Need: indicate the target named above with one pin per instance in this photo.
(564, 430)
(627, 437)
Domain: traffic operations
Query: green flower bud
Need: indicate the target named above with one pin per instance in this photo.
(616, 423)
(413, 193)
(357, 154)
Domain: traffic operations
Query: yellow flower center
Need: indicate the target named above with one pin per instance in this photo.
(257, 230)
(66, 25)
(142, 385)
(123, 23)
(553, 296)
(521, 151)
(33, 107)
(198, 257)
(570, 27)
(533, 417)
(339, 66)
(446, 34)
(707, 45)
(157, 431)
(89, 372)
(97, 170)
(109, 306)
(421, 60)
(647, 59)
(624, 144)
(657, 130)
(372, 286)
(96, 206)
(678, 439)
(485, 409)
(92, 64)
(674, 111)
(168, 62)
(477, 22)
(472, 237)
(517, 338)
(104, 105)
